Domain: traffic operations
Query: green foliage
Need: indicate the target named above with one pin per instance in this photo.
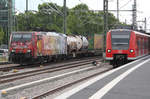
(1, 35)
(80, 20)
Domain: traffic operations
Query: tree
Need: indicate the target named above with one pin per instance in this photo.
(46, 18)
(80, 20)
(50, 17)
(83, 21)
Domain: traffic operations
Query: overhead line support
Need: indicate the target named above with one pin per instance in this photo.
(65, 19)
(118, 10)
(26, 5)
(105, 10)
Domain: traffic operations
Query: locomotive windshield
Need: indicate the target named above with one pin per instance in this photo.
(120, 40)
(21, 37)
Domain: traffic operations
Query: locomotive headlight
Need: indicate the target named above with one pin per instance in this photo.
(131, 51)
(29, 51)
(13, 51)
(108, 50)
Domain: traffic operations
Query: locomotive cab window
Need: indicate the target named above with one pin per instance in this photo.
(21, 37)
(120, 40)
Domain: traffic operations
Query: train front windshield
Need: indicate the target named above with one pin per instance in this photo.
(21, 37)
(120, 40)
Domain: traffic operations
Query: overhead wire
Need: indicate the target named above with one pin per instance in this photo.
(52, 9)
(59, 12)
(125, 4)
(85, 3)
(90, 21)
(56, 7)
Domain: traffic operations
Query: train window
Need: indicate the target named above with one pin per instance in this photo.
(26, 37)
(120, 40)
(21, 37)
(16, 37)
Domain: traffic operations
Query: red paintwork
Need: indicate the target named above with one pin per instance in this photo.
(134, 38)
(21, 47)
(108, 45)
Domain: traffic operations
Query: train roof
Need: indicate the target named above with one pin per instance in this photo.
(28, 32)
(144, 34)
(41, 33)
(23, 32)
(121, 30)
(136, 32)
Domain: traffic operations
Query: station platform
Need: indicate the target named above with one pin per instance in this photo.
(130, 81)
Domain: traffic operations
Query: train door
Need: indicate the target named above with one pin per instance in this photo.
(34, 45)
(147, 49)
(139, 46)
(39, 45)
(144, 42)
(142, 46)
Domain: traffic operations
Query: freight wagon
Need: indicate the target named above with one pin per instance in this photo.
(95, 43)
(77, 45)
(30, 47)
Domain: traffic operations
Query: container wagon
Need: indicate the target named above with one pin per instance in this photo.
(95, 43)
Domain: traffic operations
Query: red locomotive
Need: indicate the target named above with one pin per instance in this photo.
(124, 45)
(29, 47)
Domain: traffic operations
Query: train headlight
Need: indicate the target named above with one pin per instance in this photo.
(13, 51)
(28, 51)
(108, 50)
(131, 51)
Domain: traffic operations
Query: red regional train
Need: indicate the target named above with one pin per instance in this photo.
(123, 45)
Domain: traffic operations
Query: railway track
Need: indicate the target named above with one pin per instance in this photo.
(61, 88)
(8, 66)
(3, 63)
(17, 76)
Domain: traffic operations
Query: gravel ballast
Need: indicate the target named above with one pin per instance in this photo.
(39, 89)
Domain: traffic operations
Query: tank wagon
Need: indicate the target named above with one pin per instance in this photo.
(124, 45)
(29, 47)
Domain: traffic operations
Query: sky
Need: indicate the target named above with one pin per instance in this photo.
(142, 7)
